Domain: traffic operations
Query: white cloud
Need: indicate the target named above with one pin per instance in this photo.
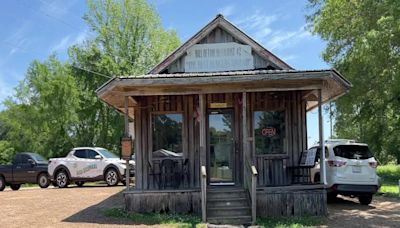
(57, 8)
(260, 25)
(68, 41)
(227, 11)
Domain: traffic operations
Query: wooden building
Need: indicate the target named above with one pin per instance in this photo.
(220, 129)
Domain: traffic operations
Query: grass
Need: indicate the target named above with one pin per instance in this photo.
(390, 176)
(290, 222)
(170, 220)
(173, 220)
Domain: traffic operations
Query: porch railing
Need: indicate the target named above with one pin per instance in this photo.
(204, 193)
(251, 184)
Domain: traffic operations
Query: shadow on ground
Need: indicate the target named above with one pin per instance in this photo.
(345, 212)
(95, 214)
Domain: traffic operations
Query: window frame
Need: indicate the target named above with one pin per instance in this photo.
(150, 122)
(285, 140)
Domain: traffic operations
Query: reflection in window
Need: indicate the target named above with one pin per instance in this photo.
(167, 135)
(269, 132)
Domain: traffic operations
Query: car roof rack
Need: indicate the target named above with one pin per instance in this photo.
(340, 141)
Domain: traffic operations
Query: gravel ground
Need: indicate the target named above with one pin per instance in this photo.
(347, 212)
(83, 207)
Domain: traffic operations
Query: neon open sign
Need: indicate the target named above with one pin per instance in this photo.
(268, 131)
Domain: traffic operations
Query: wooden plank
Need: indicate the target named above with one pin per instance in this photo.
(203, 146)
(189, 101)
(321, 137)
(138, 147)
(146, 139)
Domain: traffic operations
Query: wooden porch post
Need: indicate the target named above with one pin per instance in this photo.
(138, 147)
(203, 156)
(127, 135)
(246, 155)
(321, 138)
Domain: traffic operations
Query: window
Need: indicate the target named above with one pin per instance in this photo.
(167, 135)
(107, 154)
(80, 153)
(353, 152)
(91, 154)
(269, 132)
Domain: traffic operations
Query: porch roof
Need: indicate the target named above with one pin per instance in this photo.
(330, 81)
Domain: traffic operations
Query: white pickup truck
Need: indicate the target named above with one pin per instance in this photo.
(88, 164)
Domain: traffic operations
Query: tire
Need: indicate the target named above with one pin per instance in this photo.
(365, 199)
(43, 180)
(80, 183)
(111, 177)
(15, 187)
(331, 197)
(62, 179)
(2, 183)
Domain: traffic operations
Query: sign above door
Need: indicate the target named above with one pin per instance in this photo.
(214, 57)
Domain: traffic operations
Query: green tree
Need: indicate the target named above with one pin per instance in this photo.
(41, 116)
(129, 40)
(363, 43)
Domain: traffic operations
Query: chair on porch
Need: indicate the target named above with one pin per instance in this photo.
(170, 177)
(301, 174)
(185, 173)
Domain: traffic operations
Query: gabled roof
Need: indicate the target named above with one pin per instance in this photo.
(221, 22)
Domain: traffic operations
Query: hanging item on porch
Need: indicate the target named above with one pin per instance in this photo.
(126, 148)
(268, 131)
(197, 115)
(218, 105)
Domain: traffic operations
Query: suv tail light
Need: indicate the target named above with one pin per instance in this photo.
(336, 163)
(373, 164)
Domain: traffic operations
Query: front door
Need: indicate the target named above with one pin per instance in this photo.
(221, 147)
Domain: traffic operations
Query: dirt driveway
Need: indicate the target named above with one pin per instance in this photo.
(83, 207)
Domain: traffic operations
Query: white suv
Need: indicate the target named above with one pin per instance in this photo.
(84, 164)
(350, 170)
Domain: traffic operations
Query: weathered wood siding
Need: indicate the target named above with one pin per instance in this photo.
(292, 203)
(190, 145)
(219, 35)
(159, 202)
(273, 169)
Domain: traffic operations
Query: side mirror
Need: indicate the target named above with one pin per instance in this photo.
(32, 162)
(98, 157)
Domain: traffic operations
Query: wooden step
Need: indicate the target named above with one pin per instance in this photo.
(228, 211)
(233, 194)
(227, 202)
(231, 220)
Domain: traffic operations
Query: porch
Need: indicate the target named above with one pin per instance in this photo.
(242, 131)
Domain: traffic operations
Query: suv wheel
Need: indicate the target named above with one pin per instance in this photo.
(365, 199)
(111, 177)
(62, 179)
(15, 187)
(43, 180)
(2, 183)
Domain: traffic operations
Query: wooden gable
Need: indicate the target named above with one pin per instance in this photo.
(216, 33)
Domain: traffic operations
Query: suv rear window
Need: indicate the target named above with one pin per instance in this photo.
(352, 152)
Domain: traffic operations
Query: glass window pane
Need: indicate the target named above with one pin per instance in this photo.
(269, 131)
(167, 135)
(91, 154)
(80, 153)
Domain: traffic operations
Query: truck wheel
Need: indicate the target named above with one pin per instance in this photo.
(331, 197)
(62, 179)
(365, 199)
(79, 183)
(43, 180)
(15, 187)
(2, 183)
(111, 177)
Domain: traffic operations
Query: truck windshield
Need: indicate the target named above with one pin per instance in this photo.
(353, 151)
(107, 154)
(38, 158)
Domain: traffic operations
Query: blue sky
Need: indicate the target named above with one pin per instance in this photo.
(34, 29)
